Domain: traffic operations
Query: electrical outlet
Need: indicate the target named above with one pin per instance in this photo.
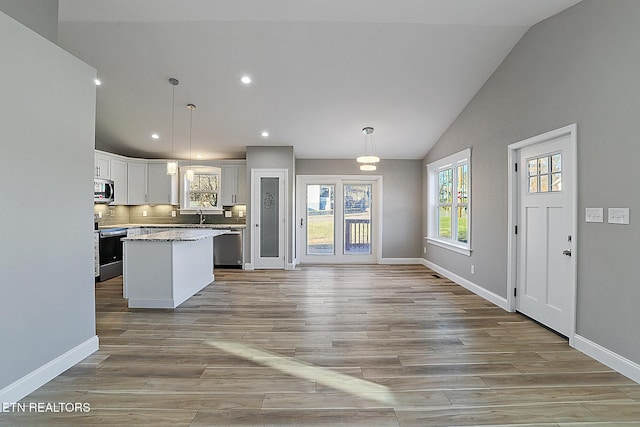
(173, 214)
(227, 214)
(144, 213)
(99, 214)
(424, 249)
(240, 214)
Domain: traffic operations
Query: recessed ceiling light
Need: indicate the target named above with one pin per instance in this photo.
(198, 156)
(246, 80)
(264, 133)
(98, 82)
(155, 136)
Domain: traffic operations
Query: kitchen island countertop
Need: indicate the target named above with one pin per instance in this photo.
(198, 226)
(187, 234)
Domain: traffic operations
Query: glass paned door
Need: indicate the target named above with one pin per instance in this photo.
(337, 219)
(269, 247)
(357, 218)
(269, 230)
(320, 219)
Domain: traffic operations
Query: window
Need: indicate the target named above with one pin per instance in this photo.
(449, 202)
(545, 174)
(203, 192)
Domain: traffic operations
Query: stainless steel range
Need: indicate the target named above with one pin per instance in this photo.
(110, 252)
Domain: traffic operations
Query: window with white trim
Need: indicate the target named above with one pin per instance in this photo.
(449, 202)
(203, 192)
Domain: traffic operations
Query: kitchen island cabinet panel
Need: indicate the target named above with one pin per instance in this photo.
(163, 270)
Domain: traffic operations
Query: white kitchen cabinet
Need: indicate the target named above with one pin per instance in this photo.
(102, 163)
(120, 181)
(234, 184)
(162, 189)
(137, 183)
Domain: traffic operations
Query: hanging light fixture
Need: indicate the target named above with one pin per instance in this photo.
(369, 158)
(190, 174)
(172, 165)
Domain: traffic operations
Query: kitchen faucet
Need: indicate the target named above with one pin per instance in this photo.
(202, 218)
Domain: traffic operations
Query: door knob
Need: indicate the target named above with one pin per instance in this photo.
(566, 252)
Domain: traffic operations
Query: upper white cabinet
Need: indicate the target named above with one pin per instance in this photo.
(234, 183)
(120, 181)
(162, 189)
(137, 183)
(145, 182)
(102, 163)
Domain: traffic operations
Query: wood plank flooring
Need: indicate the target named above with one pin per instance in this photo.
(335, 346)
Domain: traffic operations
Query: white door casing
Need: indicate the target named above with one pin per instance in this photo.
(542, 264)
(267, 253)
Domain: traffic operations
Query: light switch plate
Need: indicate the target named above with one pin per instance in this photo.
(173, 213)
(240, 214)
(144, 213)
(594, 214)
(227, 214)
(618, 215)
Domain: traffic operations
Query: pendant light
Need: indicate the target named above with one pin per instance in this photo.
(369, 158)
(172, 165)
(190, 173)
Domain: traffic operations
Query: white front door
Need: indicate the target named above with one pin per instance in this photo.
(268, 218)
(546, 232)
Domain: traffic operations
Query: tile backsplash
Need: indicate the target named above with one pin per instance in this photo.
(161, 214)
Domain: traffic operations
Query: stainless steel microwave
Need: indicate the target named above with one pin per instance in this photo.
(102, 190)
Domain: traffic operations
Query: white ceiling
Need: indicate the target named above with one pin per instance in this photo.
(321, 69)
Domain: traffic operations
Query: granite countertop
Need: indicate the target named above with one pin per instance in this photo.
(205, 226)
(176, 235)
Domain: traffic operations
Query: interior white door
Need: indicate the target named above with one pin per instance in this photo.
(546, 264)
(268, 219)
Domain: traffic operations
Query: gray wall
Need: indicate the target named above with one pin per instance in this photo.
(580, 66)
(39, 15)
(46, 256)
(401, 197)
(272, 158)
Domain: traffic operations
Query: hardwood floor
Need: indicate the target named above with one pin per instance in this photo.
(331, 345)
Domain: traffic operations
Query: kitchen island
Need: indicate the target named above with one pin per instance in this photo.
(163, 270)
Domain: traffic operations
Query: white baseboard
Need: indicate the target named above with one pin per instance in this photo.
(24, 386)
(408, 261)
(603, 355)
(476, 289)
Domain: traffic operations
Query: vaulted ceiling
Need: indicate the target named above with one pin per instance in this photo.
(321, 70)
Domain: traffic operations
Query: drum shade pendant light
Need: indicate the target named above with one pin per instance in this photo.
(369, 159)
(172, 165)
(190, 174)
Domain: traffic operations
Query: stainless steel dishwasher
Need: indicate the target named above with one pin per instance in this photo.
(227, 249)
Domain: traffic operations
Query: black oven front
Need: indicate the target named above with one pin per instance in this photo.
(111, 252)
